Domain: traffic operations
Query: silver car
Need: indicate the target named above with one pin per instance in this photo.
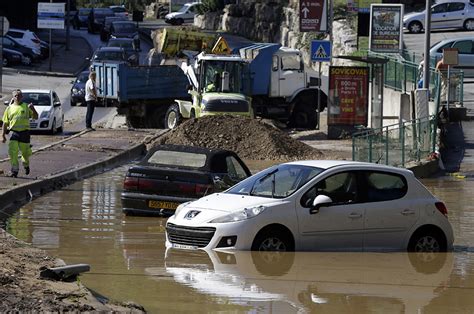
(444, 14)
(465, 46)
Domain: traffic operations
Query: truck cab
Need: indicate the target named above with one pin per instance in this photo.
(218, 86)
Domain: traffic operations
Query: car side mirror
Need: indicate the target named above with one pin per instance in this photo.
(56, 104)
(6, 102)
(319, 201)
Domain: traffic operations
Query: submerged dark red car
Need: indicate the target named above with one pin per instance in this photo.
(173, 174)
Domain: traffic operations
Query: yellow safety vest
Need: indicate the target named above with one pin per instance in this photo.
(17, 117)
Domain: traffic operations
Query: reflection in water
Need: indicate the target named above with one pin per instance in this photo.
(83, 223)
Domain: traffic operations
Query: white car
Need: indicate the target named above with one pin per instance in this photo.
(49, 108)
(444, 14)
(465, 46)
(318, 205)
(184, 15)
(26, 38)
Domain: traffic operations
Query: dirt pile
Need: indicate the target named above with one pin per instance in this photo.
(249, 138)
(22, 290)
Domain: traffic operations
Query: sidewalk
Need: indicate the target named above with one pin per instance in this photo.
(64, 162)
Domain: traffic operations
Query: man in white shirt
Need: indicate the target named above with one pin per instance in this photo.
(91, 99)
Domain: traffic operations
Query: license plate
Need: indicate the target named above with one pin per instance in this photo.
(184, 247)
(162, 205)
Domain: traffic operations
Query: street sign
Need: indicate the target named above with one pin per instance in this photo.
(221, 47)
(313, 15)
(51, 15)
(386, 28)
(450, 56)
(320, 51)
(5, 25)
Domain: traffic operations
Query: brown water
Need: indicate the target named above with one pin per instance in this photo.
(83, 223)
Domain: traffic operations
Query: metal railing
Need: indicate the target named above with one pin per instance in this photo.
(397, 144)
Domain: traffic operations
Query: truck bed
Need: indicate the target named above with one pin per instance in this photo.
(124, 83)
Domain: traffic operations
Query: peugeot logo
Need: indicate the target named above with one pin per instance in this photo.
(191, 214)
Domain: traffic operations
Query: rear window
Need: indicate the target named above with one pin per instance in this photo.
(178, 159)
(385, 186)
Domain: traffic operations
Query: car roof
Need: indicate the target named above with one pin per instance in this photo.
(121, 39)
(215, 160)
(109, 49)
(448, 40)
(39, 91)
(123, 22)
(326, 164)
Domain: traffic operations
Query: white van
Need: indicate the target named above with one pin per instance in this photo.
(184, 15)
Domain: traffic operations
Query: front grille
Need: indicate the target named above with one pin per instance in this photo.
(195, 236)
(33, 125)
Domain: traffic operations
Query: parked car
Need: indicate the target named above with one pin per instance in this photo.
(184, 15)
(29, 55)
(465, 46)
(125, 29)
(26, 38)
(81, 17)
(11, 57)
(96, 19)
(444, 14)
(128, 45)
(78, 89)
(114, 54)
(105, 29)
(173, 174)
(316, 206)
(119, 10)
(49, 108)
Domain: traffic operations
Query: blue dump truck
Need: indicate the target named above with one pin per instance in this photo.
(242, 78)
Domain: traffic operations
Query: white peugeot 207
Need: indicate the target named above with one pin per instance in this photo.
(318, 205)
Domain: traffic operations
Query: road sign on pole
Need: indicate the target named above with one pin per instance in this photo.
(320, 51)
(5, 25)
(313, 16)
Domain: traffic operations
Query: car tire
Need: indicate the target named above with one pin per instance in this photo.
(469, 25)
(179, 22)
(427, 241)
(172, 117)
(415, 27)
(27, 59)
(274, 239)
(53, 128)
(60, 129)
(303, 116)
(73, 103)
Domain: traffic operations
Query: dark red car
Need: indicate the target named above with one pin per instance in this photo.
(170, 175)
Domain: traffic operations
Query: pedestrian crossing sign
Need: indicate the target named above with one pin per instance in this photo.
(320, 50)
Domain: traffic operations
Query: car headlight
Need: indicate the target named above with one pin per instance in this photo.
(180, 208)
(246, 213)
(75, 90)
(45, 114)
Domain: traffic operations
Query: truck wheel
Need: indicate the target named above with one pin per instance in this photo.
(173, 117)
(303, 117)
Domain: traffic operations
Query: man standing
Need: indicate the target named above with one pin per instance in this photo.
(91, 99)
(16, 119)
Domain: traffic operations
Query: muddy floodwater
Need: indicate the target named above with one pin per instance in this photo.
(83, 223)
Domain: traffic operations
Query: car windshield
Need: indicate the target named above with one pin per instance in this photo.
(277, 181)
(82, 78)
(109, 55)
(214, 71)
(184, 8)
(178, 159)
(118, 9)
(127, 45)
(125, 27)
(37, 99)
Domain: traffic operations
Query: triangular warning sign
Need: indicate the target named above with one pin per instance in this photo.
(320, 53)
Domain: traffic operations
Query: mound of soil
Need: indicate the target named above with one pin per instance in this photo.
(249, 138)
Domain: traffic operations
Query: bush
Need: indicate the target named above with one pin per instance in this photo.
(211, 6)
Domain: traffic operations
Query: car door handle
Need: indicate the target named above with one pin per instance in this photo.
(407, 212)
(355, 215)
(282, 79)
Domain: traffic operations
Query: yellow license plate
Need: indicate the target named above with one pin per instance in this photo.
(162, 205)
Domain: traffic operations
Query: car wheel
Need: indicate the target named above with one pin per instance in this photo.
(179, 21)
(415, 27)
(173, 117)
(73, 103)
(53, 128)
(5, 62)
(303, 116)
(27, 60)
(61, 127)
(469, 25)
(273, 239)
(427, 241)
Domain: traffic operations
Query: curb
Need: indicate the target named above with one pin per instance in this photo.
(24, 193)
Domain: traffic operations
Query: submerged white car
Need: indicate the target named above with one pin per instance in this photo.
(318, 205)
(49, 108)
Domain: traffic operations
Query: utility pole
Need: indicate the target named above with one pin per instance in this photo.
(68, 11)
(50, 47)
(426, 62)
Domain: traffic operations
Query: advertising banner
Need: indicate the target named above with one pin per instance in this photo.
(386, 28)
(348, 95)
(313, 16)
(51, 15)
